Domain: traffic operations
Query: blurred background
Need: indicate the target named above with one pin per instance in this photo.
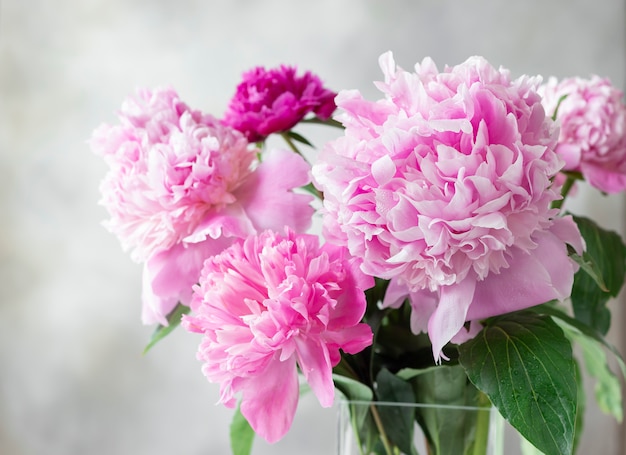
(73, 379)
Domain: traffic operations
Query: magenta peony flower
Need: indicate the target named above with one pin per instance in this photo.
(445, 187)
(592, 140)
(271, 101)
(267, 304)
(182, 186)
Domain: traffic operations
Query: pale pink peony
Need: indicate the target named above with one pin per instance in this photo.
(182, 186)
(268, 304)
(592, 139)
(274, 100)
(445, 187)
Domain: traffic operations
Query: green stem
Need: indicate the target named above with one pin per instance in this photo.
(290, 143)
(567, 186)
(381, 430)
(482, 426)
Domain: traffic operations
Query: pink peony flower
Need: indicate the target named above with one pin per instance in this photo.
(267, 304)
(182, 186)
(592, 139)
(271, 101)
(445, 187)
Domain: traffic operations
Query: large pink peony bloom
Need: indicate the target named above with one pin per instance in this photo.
(272, 302)
(445, 187)
(592, 140)
(182, 186)
(271, 101)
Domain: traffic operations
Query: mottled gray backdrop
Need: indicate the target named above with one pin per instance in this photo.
(73, 380)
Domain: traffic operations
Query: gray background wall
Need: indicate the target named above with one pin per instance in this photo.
(72, 377)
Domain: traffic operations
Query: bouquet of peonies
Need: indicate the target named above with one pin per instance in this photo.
(445, 258)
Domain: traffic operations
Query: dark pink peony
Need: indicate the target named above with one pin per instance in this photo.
(445, 186)
(268, 304)
(272, 101)
(592, 139)
(182, 186)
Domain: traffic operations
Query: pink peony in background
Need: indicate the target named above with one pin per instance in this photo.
(182, 186)
(592, 118)
(267, 304)
(170, 165)
(274, 100)
(445, 187)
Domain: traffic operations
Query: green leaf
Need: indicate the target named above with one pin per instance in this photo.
(298, 137)
(558, 104)
(241, 434)
(582, 401)
(162, 331)
(409, 373)
(359, 398)
(328, 122)
(398, 421)
(524, 363)
(584, 329)
(352, 389)
(588, 266)
(450, 426)
(607, 389)
(607, 253)
(356, 391)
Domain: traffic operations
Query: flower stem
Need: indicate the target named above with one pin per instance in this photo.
(567, 186)
(290, 143)
(482, 426)
(381, 430)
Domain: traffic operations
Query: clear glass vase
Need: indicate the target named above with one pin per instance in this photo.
(382, 428)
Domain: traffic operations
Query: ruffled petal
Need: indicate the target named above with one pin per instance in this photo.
(231, 221)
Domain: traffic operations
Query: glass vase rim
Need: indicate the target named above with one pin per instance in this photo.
(461, 407)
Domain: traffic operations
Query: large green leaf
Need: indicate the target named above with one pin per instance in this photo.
(607, 253)
(584, 329)
(397, 421)
(524, 363)
(451, 425)
(359, 397)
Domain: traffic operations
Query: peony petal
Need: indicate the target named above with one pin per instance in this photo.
(383, 170)
(545, 274)
(465, 334)
(314, 361)
(231, 221)
(266, 195)
(395, 294)
(450, 314)
(168, 277)
(351, 339)
(566, 230)
(608, 180)
(423, 305)
(270, 405)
